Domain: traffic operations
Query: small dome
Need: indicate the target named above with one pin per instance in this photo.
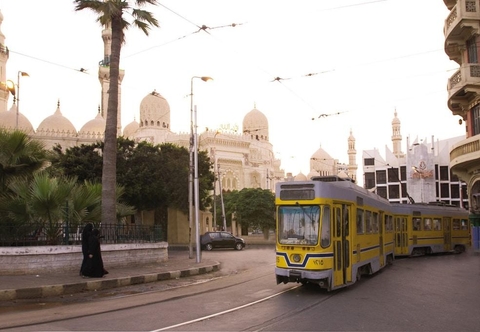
(94, 127)
(395, 120)
(130, 129)
(351, 137)
(300, 177)
(255, 124)
(8, 120)
(154, 111)
(56, 123)
(343, 175)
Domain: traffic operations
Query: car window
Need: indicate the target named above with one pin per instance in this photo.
(226, 235)
(214, 235)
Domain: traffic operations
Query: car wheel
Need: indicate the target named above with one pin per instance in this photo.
(238, 246)
(209, 246)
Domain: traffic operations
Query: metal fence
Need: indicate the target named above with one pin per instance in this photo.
(39, 235)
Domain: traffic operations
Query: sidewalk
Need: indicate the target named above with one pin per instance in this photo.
(45, 285)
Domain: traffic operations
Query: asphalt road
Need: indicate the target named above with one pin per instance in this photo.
(434, 293)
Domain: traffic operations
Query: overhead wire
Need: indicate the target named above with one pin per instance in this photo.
(280, 80)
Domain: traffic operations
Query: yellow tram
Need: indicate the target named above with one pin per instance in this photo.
(331, 231)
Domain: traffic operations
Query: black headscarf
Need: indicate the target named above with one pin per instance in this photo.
(87, 230)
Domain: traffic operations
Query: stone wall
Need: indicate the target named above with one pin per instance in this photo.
(36, 260)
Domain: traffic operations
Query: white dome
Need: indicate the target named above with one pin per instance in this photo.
(321, 154)
(130, 129)
(8, 120)
(255, 124)
(154, 111)
(57, 124)
(300, 177)
(95, 127)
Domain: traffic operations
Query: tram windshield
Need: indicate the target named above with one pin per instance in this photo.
(298, 224)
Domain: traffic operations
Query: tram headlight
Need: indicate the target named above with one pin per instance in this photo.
(296, 258)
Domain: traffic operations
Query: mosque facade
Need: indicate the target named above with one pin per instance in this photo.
(242, 159)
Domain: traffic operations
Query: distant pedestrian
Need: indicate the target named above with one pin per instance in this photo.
(94, 265)
(86, 233)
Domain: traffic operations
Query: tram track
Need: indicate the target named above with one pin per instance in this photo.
(106, 305)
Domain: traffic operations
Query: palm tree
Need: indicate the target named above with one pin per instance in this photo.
(20, 157)
(111, 13)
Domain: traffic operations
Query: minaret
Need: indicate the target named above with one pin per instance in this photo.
(4, 93)
(104, 77)
(396, 137)
(352, 158)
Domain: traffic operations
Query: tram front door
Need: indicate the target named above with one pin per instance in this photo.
(342, 270)
(401, 236)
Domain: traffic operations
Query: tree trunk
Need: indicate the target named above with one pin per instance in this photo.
(109, 171)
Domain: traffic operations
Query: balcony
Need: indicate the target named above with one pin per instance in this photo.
(465, 157)
(463, 87)
(462, 22)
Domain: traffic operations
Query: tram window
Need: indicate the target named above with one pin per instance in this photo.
(375, 223)
(427, 224)
(338, 222)
(389, 223)
(437, 224)
(360, 221)
(464, 224)
(368, 222)
(325, 237)
(456, 224)
(417, 224)
(346, 219)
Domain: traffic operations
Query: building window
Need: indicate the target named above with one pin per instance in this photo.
(472, 50)
(403, 173)
(455, 191)
(404, 190)
(444, 190)
(382, 192)
(393, 191)
(444, 173)
(476, 120)
(381, 177)
(393, 175)
(369, 161)
(369, 180)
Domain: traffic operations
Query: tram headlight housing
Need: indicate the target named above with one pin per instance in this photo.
(296, 258)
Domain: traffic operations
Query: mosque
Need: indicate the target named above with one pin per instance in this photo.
(242, 159)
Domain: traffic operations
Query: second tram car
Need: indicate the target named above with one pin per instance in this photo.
(330, 231)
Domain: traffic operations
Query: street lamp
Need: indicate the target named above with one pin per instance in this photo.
(20, 73)
(193, 153)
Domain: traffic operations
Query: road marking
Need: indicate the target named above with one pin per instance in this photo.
(224, 312)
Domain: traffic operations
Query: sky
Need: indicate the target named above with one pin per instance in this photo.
(356, 61)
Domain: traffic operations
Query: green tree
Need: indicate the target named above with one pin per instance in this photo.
(155, 177)
(253, 208)
(84, 162)
(110, 13)
(20, 156)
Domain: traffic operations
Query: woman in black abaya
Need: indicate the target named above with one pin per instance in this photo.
(86, 233)
(94, 264)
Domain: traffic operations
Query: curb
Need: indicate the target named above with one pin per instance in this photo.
(101, 284)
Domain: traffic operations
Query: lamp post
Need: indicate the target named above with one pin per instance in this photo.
(20, 73)
(193, 153)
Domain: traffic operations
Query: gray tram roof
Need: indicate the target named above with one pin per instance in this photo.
(347, 190)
